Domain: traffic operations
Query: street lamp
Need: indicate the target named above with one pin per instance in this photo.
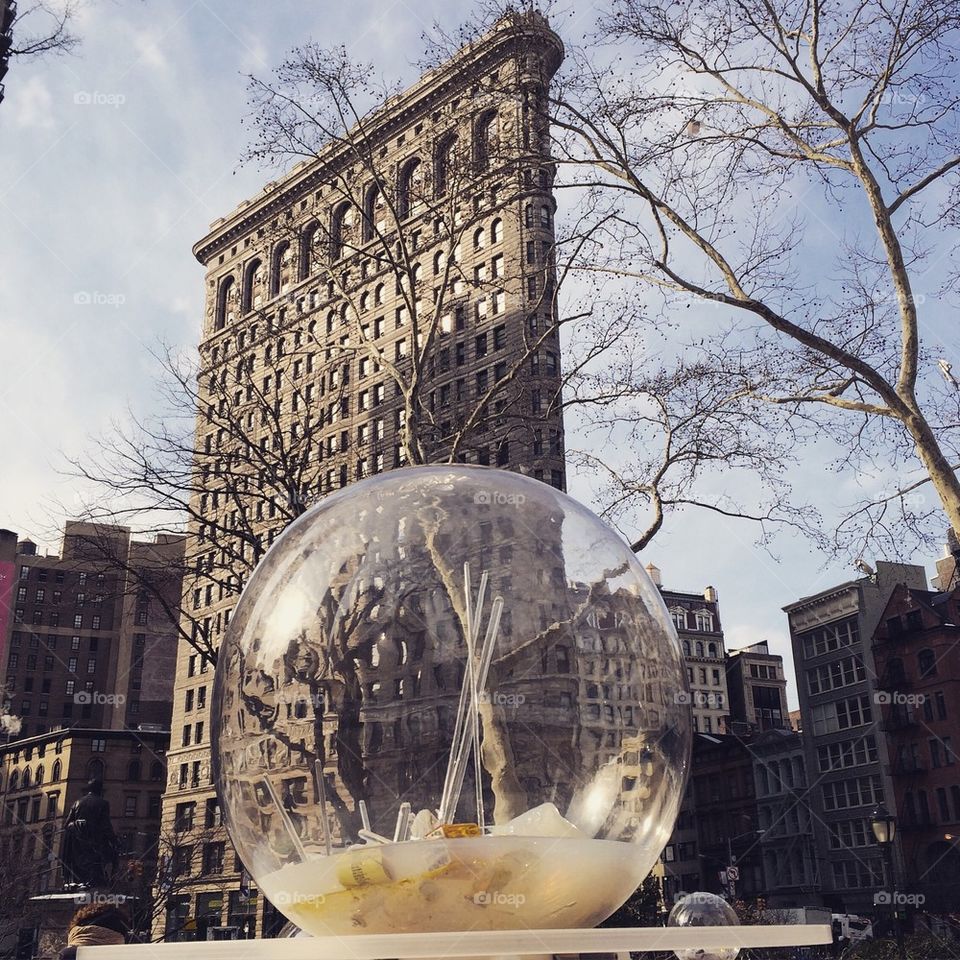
(884, 827)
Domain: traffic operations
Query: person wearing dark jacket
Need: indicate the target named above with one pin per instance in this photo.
(96, 925)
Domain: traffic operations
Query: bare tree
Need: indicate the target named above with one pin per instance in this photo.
(715, 139)
(42, 28)
(264, 446)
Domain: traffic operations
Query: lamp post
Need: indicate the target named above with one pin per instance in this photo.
(884, 826)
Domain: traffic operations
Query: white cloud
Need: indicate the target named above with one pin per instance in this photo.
(33, 105)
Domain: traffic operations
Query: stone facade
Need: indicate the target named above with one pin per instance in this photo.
(846, 755)
(390, 300)
(81, 631)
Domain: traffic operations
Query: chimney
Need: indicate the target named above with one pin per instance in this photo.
(710, 595)
(654, 574)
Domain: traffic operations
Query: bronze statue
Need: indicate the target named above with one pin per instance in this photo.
(89, 843)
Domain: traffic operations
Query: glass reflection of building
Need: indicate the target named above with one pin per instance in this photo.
(368, 683)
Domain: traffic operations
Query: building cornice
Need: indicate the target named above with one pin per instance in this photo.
(391, 117)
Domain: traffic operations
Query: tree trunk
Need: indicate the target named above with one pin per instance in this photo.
(942, 475)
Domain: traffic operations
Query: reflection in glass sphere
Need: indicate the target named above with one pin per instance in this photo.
(704, 910)
(448, 699)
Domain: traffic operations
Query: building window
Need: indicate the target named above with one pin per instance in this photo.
(213, 857)
(130, 805)
(927, 663)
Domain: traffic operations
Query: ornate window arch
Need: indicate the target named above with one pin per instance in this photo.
(57, 771)
(444, 162)
(374, 209)
(342, 225)
(281, 268)
(410, 187)
(253, 280)
(486, 137)
(226, 302)
(496, 231)
(310, 240)
(38, 777)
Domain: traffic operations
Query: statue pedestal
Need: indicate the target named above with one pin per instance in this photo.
(485, 943)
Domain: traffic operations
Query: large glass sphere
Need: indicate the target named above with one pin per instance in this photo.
(704, 910)
(449, 699)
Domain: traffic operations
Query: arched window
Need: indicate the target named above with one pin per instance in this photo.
(38, 779)
(439, 262)
(374, 210)
(686, 648)
(496, 231)
(364, 301)
(15, 780)
(57, 770)
(156, 771)
(485, 138)
(342, 230)
(711, 649)
(226, 303)
(26, 778)
(410, 188)
(310, 243)
(253, 282)
(95, 769)
(444, 163)
(927, 663)
(133, 770)
(378, 295)
(479, 238)
(281, 273)
(699, 648)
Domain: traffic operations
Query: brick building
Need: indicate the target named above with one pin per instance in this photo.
(80, 630)
(395, 291)
(846, 753)
(40, 779)
(917, 657)
(757, 689)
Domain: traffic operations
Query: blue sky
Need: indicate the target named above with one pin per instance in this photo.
(114, 163)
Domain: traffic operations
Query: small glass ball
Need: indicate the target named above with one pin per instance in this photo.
(450, 698)
(704, 910)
